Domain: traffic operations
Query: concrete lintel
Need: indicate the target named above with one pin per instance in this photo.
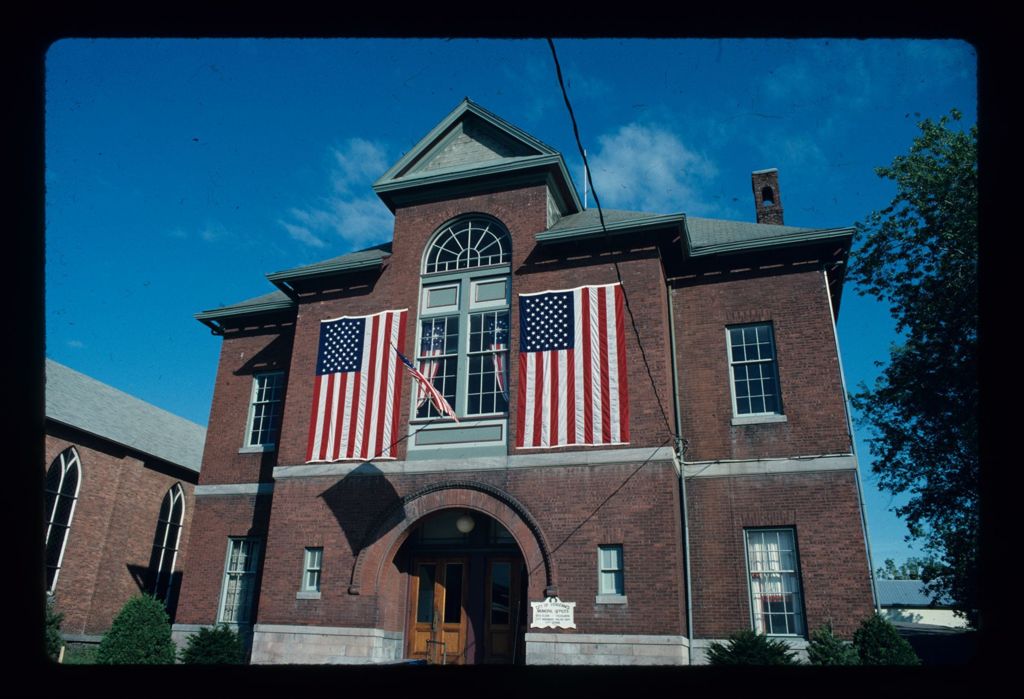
(567, 458)
(760, 467)
(235, 489)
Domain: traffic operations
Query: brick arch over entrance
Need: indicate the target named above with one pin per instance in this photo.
(391, 530)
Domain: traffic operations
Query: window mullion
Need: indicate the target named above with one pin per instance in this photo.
(462, 364)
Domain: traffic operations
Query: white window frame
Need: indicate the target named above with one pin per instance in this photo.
(611, 569)
(167, 549)
(251, 569)
(312, 567)
(774, 577)
(775, 415)
(249, 444)
(66, 461)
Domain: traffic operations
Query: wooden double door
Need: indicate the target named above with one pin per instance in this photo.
(454, 620)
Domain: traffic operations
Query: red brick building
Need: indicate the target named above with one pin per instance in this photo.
(120, 475)
(647, 447)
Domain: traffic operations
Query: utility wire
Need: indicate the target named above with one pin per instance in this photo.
(608, 239)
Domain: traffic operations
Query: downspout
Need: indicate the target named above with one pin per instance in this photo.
(853, 446)
(679, 453)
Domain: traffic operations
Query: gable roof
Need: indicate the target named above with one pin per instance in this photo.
(471, 143)
(77, 400)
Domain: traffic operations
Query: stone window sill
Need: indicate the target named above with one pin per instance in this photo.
(758, 419)
(610, 599)
(259, 449)
(307, 594)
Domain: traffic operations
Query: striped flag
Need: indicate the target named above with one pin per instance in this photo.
(572, 368)
(427, 388)
(357, 392)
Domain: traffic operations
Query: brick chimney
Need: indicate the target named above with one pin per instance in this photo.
(767, 200)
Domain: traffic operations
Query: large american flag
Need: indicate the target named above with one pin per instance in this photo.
(358, 390)
(572, 368)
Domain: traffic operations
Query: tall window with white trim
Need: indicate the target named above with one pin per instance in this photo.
(752, 363)
(165, 543)
(239, 581)
(61, 494)
(265, 409)
(464, 318)
(776, 602)
(610, 570)
(313, 561)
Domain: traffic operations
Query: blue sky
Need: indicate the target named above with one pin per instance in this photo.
(180, 172)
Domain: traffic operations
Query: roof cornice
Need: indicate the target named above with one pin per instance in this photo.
(613, 228)
(809, 236)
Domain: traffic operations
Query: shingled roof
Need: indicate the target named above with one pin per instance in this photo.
(906, 593)
(74, 399)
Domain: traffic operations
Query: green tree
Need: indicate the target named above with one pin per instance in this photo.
(878, 643)
(140, 634)
(54, 640)
(910, 569)
(749, 648)
(826, 649)
(919, 256)
(219, 645)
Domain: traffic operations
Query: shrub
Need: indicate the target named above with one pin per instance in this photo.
(141, 634)
(826, 649)
(749, 648)
(219, 645)
(878, 643)
(54, 640)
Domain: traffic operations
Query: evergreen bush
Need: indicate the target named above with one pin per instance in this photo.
(141, 635)
(749, 648)
(219, 645)
(54, 640)
(826, 649)
(878, 643)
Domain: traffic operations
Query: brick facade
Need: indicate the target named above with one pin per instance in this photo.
(107, 554)
(559, 505)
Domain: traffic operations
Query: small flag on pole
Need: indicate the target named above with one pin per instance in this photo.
(427, 387)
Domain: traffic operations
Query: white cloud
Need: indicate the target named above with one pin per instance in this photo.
(77, 344)
(649, 168)
(351, 211)
(213, 231)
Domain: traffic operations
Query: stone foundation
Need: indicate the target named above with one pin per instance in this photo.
(324, 645)
(605, 649)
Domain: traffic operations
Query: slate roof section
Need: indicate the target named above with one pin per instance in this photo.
(274, 301)
(370, 258)
(708, 236)
(74, 399)
(905, 593)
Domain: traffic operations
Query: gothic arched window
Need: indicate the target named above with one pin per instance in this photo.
(165, 542)
(62, 482)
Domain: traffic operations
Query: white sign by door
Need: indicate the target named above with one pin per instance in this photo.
(553, 613)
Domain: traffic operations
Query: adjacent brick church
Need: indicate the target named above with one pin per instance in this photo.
(628, 438)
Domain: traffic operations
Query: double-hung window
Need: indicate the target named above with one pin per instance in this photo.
(610, 578)
(776, 603)
(265, 410)
(463, 330)
(239, 581)
(311, 569)
(752, 362)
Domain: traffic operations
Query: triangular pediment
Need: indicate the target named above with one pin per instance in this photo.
(469, 143)
(469, 146)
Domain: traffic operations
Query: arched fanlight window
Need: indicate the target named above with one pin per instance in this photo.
(165, 542)
(468, 243)
(62, 482)
(767, 196)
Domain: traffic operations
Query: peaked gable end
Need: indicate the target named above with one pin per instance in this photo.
(474, 144)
